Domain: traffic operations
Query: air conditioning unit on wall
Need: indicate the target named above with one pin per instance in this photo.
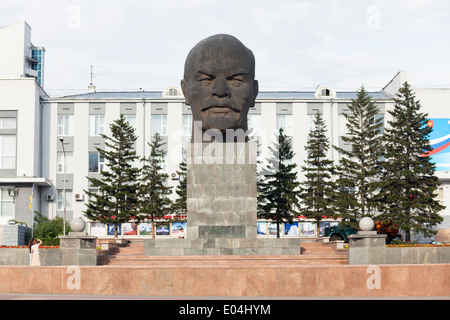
(49, 197)
(79, 196)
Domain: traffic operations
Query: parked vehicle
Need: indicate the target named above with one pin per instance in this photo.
(341, 233)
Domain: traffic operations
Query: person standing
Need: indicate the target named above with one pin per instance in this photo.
(36, 259)
(30, 243)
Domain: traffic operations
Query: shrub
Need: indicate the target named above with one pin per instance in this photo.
(48, 230)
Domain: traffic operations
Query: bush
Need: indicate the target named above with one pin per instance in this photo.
(50, 242)
(397, 242)
(48, 230)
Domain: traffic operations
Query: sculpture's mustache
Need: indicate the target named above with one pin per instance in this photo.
(215, 104)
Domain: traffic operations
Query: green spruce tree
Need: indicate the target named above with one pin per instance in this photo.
(360, 166)
(278, 196)
(408, 186)
(153, 194)
(115, 201)
(317, 191)
(180, 203)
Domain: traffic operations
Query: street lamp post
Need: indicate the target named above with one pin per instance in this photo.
(64, 185)
(13, 193)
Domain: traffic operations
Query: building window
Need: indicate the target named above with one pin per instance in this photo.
(159, 124)
(96, 124)
(187, 124)
(7, 151)
(96, 162)
(65, 125)
(38, 54)
(69, 162)
(325, 92)
(254, 123)
(311, 125)
(131, 118)
(60, 201)
(6, 203)
(172, 92)
(377, 118)
(342, 125)
(284, 121)
(7, 123)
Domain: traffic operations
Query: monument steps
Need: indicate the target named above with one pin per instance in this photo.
(126, 249)
(317, 247)
(132, 254)
(226, 261)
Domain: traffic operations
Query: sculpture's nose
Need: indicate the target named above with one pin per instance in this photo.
(220, 88)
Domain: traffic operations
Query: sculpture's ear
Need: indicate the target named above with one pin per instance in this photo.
(184, 88)
(255, 88)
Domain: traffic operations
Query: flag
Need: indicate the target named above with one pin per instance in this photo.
(31, 197)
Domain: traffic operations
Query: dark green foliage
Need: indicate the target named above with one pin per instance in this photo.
(115, 202)
(359, 168)
(153, 193)
(317, 195)
(407, 189)
(44, 228)
(180, 204)
(260, 170)
(278, 191)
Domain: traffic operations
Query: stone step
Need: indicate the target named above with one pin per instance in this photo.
(121, 249)
(131, 250)
(316, 248)
(244, 261)
(313, 253)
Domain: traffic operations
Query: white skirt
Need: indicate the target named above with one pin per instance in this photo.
(36, 259)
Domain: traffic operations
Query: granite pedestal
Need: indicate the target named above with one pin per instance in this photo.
(367, 247)
(78, 248)
(14, 235)
(221, 206)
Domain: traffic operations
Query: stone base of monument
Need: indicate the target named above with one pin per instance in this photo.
(221, 206)
(225, 246)
(78, 248)
(367, 247)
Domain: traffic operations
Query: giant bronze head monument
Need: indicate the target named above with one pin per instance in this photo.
(219, 84)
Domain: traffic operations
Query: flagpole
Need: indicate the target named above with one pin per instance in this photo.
(32, 212)
(64, 184)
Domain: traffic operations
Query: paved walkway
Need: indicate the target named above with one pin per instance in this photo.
(31, 296)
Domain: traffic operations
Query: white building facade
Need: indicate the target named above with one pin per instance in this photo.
(20, 123)
(79, 119)
(39, 134)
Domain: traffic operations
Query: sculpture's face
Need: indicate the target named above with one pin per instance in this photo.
(219, 84)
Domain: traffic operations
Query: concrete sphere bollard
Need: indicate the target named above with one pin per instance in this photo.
(366, 224)
(77, 225)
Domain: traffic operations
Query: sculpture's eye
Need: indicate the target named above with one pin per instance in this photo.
(205, 78)
(237, 79)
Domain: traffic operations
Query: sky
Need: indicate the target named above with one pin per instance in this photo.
(298, 45)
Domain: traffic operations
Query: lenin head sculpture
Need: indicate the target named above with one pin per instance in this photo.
(219, 83)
